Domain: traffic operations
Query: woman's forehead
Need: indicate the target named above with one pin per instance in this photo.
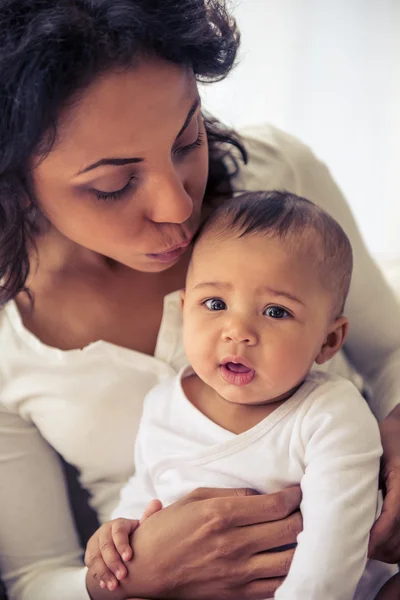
(122, 112)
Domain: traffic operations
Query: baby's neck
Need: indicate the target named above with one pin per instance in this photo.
(236, 418)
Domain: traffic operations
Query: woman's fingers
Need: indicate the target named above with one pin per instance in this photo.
(219, 546)
(260, 588)
(247, 509)
(385, 535)
(384, 544)
(391, 590)
(265, 507)
(267, 536)
(268, 565)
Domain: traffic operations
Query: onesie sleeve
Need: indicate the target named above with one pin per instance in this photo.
(40, 555)
(340, 492)
(138, 491)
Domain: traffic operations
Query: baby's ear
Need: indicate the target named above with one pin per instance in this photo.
(335, 338)
(182, 297)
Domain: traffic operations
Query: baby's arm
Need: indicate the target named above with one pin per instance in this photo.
(105, 549)
(109, 547)
(342, 449)
(111, 543)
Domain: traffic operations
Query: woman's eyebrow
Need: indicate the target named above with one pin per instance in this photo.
(127, 161)
(118, 162)
(190, 114)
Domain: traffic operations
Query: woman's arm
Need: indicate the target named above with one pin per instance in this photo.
(210, 545)
(40, 556)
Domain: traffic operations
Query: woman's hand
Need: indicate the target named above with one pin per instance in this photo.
(212, 544)
(385, 535)
(390, 591)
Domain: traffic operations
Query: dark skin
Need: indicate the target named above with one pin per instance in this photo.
(391, 590)
(227, 562)
(94, 256)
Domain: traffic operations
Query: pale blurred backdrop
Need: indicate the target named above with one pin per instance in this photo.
(328, 71)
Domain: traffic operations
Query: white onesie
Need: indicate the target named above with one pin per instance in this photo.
(324, 437)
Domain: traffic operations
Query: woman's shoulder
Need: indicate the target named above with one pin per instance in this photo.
(6, 318)
(7, 344)
(276, 140)
(276, 160)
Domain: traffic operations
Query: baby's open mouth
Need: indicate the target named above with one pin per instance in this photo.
(236, 373)
(237, 367)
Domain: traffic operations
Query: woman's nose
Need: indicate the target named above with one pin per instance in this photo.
(240, 331)
(170, 202)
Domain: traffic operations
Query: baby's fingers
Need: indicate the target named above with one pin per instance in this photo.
(152, 507)
(103, 575)
(121, 531)
(111, 555)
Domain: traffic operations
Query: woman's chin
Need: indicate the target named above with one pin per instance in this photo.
(151, 266)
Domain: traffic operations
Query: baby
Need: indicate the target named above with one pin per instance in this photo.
(264, 299)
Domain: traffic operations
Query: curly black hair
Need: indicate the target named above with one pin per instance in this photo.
(50, 50)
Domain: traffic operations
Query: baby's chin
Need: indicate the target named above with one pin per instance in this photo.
(241, 395)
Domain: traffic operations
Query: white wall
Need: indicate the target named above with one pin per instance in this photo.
(327, 71)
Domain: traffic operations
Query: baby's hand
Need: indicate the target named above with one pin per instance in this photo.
(152, 507)
(105, 549)
(109, 544)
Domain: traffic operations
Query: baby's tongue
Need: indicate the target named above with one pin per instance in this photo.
(237, 367)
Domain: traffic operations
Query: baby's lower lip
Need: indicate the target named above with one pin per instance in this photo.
(244, 377)
(168, 257)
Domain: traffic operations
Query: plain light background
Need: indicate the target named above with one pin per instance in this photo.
(327, 71)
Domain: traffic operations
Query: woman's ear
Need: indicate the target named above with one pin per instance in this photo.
(335, 338)
(182, 297)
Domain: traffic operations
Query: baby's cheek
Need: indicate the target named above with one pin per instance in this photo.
(196, 344)
(299, 363)
(287, 362)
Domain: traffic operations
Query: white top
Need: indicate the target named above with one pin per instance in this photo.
(87, 403)
(324, 437)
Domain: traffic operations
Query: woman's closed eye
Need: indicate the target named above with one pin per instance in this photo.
(276, 312)
(180, 152)
(215, 304)
(117, 194)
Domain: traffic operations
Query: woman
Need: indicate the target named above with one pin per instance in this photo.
(107, 167)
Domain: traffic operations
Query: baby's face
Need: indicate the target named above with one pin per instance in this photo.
(255, 317)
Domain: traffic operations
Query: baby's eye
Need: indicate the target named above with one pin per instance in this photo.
(276, 312)
(215, 304)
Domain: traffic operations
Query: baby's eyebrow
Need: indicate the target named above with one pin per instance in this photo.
(281, 293)
(262, 289)
(217, 284)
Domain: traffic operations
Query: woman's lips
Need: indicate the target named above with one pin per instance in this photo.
(170, 255)
(237, 373)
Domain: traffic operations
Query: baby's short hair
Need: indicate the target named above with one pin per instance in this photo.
(295, 220)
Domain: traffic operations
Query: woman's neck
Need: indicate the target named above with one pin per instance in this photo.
(54, 253)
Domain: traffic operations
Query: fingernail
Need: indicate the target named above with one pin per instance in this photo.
(119, 573)
(125, 556)
(110, 585)
(102, 584)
